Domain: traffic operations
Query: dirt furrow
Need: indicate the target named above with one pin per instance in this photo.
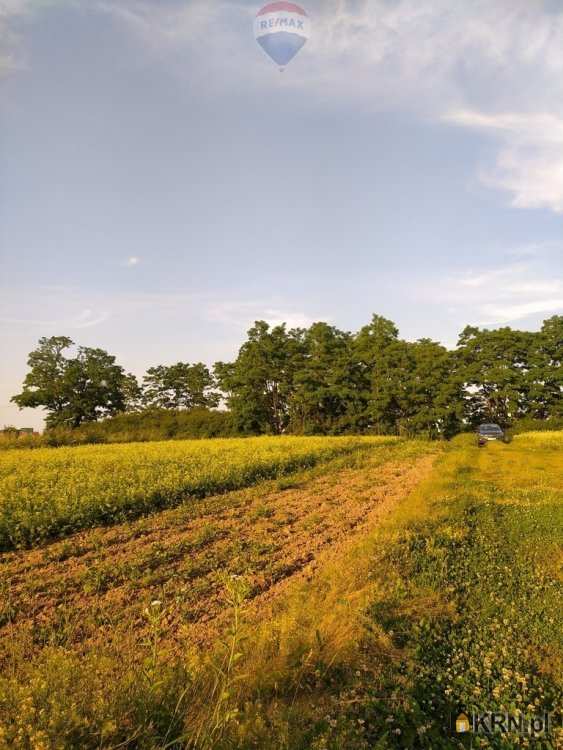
(97, 584)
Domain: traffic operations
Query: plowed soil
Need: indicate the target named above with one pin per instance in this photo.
(98, 585)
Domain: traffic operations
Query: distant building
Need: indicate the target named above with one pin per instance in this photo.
(18, 431)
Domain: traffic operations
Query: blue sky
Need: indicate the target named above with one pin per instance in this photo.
(163, 185)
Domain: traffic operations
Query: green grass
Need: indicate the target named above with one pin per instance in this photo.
(469, 606)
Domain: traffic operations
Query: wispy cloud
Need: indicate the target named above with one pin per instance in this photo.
(503, 295)
(492, 67)
(64, 309)
(499, 313)
(9, 9)
(89, 318)
(163, 23)
(132, 261)
(530, 162)
(423, 54)
(243, 314)
(12, 57)
(83, 319)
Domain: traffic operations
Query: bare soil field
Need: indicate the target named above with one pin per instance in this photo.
(96, 585)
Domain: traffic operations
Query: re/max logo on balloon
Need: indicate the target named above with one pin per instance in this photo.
(282, 23)
(282, 30)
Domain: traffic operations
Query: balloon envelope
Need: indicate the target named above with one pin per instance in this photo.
(282, 29)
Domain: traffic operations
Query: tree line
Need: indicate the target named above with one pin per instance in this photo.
(319, 380)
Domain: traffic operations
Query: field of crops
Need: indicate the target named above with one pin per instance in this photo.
(539, 441)
(49, 493)
(354, 599)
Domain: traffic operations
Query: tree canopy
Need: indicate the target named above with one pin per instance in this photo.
(321, 380)
(75, 389)
(179, 386)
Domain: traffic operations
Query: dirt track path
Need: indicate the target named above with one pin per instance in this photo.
(95, 586)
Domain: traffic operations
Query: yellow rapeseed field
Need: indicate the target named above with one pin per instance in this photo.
(52, 492)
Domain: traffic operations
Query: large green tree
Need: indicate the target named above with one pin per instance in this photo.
(74, 389)
(545, 373)
(410, 388)
(432, 397)
(495, 366)
(258, 385)
(382, 356)
(180, 386)
(327, 392)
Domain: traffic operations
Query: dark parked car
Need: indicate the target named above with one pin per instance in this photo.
(488, 432)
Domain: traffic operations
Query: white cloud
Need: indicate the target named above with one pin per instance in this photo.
(525, 128)
(84, 319)
(490, 66)
(508, 313)
(241, 315)
(132, 261)
(88, 319)
(495, 66)
(424, 54)
(8, 39)
(433, 55)
(12, 57)
(61, 309)
(291, 318)
(502, 295)
(483, 280)
(530, 161)
(162, 24)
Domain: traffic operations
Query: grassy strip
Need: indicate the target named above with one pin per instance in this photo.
(51, 493)
(463, 612)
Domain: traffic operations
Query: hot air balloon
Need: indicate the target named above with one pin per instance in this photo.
(282, 29)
